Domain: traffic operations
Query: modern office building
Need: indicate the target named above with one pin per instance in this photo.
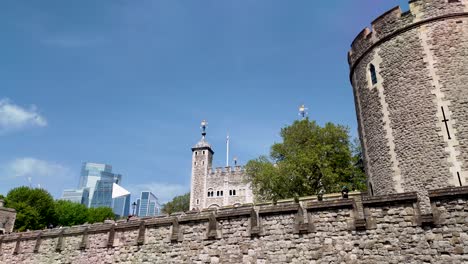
(96, 189)
(148, 205)
(99, 179)
(76, 195)
(121, 205)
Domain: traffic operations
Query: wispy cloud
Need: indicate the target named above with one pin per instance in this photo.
(72, 41)
(38, 173)
(28, 167)
(164, 191)
(15, 117)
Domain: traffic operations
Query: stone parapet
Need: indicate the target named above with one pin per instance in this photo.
(297, 229)
(395, 22)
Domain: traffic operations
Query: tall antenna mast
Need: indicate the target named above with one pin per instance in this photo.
(227, 150)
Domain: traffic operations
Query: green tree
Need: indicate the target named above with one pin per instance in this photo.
(180, 203)
(70, 213)
(309, 159)
(34, 207)
(100, 214)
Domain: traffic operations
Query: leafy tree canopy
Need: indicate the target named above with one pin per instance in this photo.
(34, 207)
(310, 158)
(180, 203)
(100, 214)
(70, 213)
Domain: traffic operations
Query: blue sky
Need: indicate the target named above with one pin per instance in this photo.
(128, 82)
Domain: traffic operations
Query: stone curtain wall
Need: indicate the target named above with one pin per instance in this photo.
(7, 219)
(421, 60)
(391, 230)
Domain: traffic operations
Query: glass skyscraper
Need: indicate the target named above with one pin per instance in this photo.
(95, 189)
(99, 179)
(121, 205)
(77, 196)
(148, 205)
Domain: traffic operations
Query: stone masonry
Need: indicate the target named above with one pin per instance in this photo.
(216, 187)
(7, 218)
(392, 230)
(412, 110)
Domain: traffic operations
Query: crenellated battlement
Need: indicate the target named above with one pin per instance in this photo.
(394, 22)
(226, 171)
(308, 230)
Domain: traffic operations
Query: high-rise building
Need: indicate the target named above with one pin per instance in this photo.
(99, 179)
(76, 195)
(95, 189)
(121, 205)
(148, 205)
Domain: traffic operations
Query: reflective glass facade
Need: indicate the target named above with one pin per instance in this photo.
(77, 196)
(99, 179)
(121, 206)
(148, 205)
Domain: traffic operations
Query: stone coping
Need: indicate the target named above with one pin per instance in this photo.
(279, 209)
(234, 212)
(11, 210)
(249, 211)
(389, 199)
(449, 192)
(332, 204)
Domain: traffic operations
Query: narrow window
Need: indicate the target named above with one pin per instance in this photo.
(198, 201)
(230, 192)
(195, 163)
(217, 193)
(208, 194)
(212, 193)
(459, 179)
(373, 74)
(196, 153)
(203, 162)
(371, 189)
(203, 152)
(221, 193)
(233, 192)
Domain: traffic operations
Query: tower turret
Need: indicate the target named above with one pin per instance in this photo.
(202, 157)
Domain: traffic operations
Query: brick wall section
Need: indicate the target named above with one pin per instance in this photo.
(424, 57)
(394, 233)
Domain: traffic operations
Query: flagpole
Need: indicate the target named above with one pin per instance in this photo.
(227, 150)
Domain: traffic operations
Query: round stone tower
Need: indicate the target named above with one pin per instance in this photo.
(410, 80)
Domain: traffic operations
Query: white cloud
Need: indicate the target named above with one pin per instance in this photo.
(164, 191)
(28, 167)
(48, 175)
(14, 117)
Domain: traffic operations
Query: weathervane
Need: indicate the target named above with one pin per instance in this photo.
(302, 111)
(203, 127)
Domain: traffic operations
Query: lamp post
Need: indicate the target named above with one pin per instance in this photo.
(134, 204)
